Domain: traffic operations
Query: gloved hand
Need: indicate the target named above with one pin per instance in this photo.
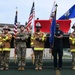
(3, 36)
(40, 40)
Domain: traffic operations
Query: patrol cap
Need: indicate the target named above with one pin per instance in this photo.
(22, 26)
(6, 27)
(38, 25)
(73, 26)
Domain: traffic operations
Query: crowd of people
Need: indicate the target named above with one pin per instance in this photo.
(38, 39)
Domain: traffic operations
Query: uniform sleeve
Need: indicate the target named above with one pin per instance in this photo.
(71, 40)
(62, 33)
(24, 37)
(0, 40)
(44, 37)
(8, 38)
(32, 40)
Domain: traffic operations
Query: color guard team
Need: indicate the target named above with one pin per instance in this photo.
(38, 39)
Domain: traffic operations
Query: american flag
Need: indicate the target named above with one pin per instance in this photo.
(15, 32)
(15, 24)
(30, 18)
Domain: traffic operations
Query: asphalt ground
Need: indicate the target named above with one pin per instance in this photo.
(48, 68)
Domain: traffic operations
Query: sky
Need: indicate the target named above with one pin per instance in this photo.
(42, 9)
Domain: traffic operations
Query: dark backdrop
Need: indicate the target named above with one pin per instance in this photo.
(47, 44)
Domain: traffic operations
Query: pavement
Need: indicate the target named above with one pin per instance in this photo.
(48, 68)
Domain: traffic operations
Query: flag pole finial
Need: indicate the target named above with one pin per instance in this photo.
(16, 8)
(56, 5)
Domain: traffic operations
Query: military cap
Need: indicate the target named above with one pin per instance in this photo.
(22, 26)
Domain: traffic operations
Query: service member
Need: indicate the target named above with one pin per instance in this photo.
(20, 44)
(37, 43)
(58, 48)
(5, 48)
(72, 45)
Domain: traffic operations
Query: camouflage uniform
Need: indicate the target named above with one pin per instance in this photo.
(21, 48)
(5, 48)
(37, 42)
(72, 46)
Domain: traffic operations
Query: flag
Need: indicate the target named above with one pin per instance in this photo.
(30, 18)
(53, 27)
(15, 24)
(52, 30)
(53, 9)
(15, 32)
(69, 14)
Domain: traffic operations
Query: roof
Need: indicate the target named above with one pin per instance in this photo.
(10, 25)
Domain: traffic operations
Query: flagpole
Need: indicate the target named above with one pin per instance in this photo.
(32, 55)
(53, 27)
(15, 32)
(16, 8)
(33, 19)
(55, 18)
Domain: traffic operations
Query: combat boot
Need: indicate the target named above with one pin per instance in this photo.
(6, 68)
(40, 68)
(36, 68)
(2, 68)
(19, 68)
(22, 68)
(73, 68)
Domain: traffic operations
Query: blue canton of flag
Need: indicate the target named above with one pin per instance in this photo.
(69, 14)
(32, 9)
(15, 18)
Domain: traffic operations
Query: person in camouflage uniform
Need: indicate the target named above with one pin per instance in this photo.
(20, 44)
(37, 44)
(72, 46)
(5, 39)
